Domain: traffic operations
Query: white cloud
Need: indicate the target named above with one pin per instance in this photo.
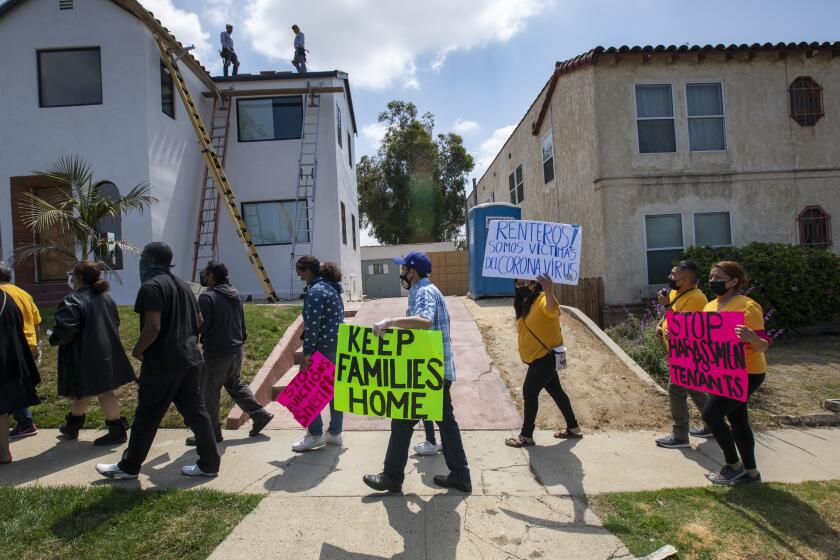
(465, 127)
(488, 149)
(374, 133)
(220, 13)
(186, 26)
(382, 44)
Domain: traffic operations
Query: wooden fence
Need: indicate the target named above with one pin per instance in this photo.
(450, 272)
(588, 296)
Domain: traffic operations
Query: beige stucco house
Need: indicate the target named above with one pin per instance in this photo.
(654, 149)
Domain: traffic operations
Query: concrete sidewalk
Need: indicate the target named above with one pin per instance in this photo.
(481, 398)
(526, 503)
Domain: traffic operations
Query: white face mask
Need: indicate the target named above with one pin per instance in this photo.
(70, 281)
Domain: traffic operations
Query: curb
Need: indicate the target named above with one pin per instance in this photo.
(615, 348)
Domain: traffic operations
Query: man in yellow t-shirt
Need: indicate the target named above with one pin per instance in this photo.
(31, 319)
(684, 297)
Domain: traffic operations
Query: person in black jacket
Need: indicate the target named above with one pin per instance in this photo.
(222, 336)
(91, 358)
(18, 372)
(170, 372)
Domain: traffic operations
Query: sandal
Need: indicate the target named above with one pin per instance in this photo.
(566, 434)
(519, 441)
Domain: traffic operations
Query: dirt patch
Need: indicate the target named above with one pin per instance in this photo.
(604, 392)
(802, 371)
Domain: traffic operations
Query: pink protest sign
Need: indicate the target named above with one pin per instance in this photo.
(705, 354)
(310, 391)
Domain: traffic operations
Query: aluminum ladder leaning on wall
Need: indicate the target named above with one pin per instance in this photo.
(214, 165)
(207, 232)
(303, 226)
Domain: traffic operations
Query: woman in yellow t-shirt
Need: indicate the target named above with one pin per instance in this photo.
(538, 330)
(726, 280)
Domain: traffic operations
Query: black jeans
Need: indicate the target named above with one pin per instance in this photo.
(740, 437)
(542, 375)
(226, 372)
(450, 436)
(429, 428)
(157, 390)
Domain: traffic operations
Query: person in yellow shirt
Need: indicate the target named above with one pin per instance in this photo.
(538, 329)
(24, 426)
(684, 297)
(726, 280)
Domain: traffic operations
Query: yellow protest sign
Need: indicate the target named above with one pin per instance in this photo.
(397, 375)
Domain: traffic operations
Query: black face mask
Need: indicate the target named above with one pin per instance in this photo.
(718, 287)
(672, 284)
(404, 281)
(523, 291)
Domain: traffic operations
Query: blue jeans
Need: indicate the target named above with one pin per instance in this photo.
(396, 457)
(316, 428)
(23, 418)
(429, 426)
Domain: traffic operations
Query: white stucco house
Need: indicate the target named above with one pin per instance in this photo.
(86, 78)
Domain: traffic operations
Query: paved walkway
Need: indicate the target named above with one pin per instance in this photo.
(526, 503)
(482, 400)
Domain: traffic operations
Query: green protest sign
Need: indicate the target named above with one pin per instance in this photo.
(397, 375)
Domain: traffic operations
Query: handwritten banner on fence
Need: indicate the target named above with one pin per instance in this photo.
(705, 354)
(527, 249)
(398, 375)
(310, 391)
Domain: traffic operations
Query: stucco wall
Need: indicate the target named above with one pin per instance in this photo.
(772, 167)
(570, 197)
(111, 137)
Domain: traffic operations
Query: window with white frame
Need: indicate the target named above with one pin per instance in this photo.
(378, 268)
(664, 239)
(712, 229)
(548, 157)
(706, 122)
(516, 184)
(272, 222)
(269, 118)
(655, 119)
(489, 198)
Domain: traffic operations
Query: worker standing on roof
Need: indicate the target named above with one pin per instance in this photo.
(299, 61)
(227, 52)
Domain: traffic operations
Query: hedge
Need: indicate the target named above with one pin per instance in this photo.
(796, 286)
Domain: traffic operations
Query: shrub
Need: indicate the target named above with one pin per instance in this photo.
(796, 286)
(637, 337)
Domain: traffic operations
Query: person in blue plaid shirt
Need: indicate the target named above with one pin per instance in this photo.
(426, 310)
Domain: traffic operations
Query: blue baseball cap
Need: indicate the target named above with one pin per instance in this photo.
(416, 260)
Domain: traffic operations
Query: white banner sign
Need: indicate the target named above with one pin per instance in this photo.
(526, 249)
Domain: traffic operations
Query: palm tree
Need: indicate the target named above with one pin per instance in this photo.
(77, 209)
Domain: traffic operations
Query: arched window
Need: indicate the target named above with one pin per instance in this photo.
(806, 106)
(110, 228)
(814, 227)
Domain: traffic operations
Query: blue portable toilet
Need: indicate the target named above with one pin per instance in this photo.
(478, 223)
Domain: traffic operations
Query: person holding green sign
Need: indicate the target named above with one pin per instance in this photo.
(426, 310)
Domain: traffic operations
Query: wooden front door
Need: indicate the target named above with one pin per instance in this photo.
(45, 277)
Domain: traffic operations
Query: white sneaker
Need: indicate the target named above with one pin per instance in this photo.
(193, 470)
(427, 448)
(309, 443)
(112, 470)
(334, 439)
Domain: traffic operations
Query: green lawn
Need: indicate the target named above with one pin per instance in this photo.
(106, 523)
(265, 323)
(779, 521)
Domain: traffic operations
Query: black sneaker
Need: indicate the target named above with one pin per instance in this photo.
(17, 432)
(670, 442)
(747, 479)
(727, 476)
(260, 423)
(703, 432)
